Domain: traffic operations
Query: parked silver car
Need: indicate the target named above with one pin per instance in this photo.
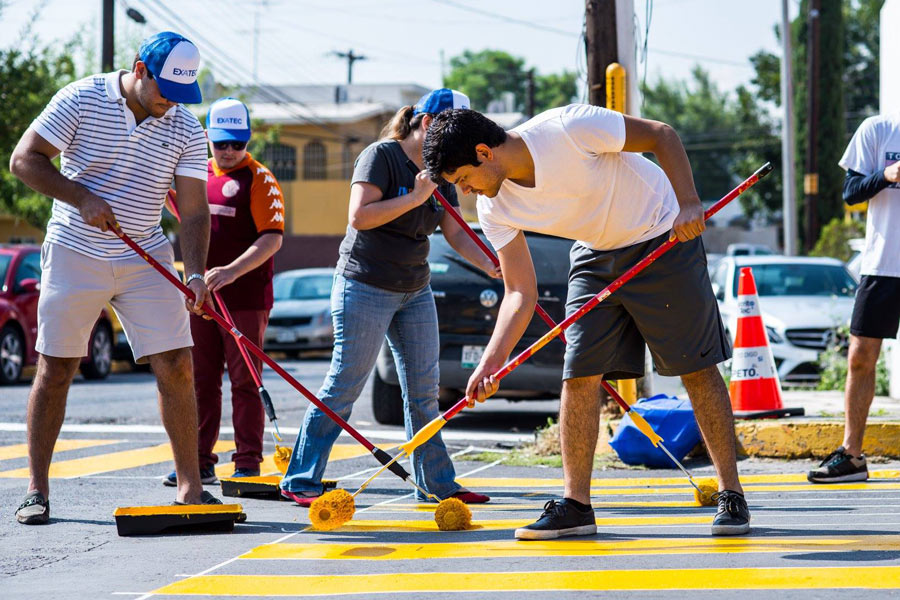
(301, 317)
(803, 302)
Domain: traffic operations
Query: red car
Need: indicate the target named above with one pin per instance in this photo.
(20, 283)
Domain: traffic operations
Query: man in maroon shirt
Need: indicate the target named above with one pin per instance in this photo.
(247, 224)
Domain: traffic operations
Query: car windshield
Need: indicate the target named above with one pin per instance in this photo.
(5, 259)
(801, 280)
(303, 287)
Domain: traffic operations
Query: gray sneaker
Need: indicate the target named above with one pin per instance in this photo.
(35, 509)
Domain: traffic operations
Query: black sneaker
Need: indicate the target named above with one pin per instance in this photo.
(733, 517)
(207, 477)
(839, 467)
(559, 519)
(35, 509)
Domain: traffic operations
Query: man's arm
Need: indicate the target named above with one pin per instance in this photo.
(516, 310)
(460, 241)
(31, 163)
(194, 209)
(259, 252)
(859, 188)
(642, 135)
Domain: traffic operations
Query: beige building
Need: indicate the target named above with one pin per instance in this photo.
(14, 230)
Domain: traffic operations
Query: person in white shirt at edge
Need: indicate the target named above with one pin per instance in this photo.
(872, 162)
(123, 137)
(576, 172)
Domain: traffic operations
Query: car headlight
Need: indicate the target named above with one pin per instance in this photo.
(773, 336)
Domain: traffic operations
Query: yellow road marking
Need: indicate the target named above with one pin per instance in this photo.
(526, 482)
(615, 580)
(21, 450)
(495, 524)
(114, 461)
(268, 466)
(536, 506)
(514, 549)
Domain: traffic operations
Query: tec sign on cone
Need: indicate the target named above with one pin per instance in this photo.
(754, 381)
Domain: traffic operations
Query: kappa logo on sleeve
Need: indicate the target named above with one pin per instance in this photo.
(269, 179)
(276, 204)
(277, 218)
(273, 191)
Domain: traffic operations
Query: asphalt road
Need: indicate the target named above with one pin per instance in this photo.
(807, 541)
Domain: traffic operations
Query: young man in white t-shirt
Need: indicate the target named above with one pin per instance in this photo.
(872, 162)
(577, 172)
(122, 137)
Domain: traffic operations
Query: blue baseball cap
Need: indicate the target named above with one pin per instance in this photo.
(438, 100)
(228, 120)
(174, 62)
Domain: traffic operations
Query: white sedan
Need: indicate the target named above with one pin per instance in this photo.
(803, 301)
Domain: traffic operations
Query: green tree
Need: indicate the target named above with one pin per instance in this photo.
(726, 136)
(857, 43)
(29, 76)
(486, 75)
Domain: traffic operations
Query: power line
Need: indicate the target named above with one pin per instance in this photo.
(224, 59)
(506, 18)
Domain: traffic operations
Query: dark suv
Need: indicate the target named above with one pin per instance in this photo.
(467, 303)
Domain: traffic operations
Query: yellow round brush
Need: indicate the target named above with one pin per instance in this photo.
(331, 510)
(704, 495)
(452, 514)
(282, 458)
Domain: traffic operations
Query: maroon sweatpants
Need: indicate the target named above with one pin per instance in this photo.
(213, 349)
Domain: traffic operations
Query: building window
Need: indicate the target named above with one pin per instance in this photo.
(281, 160)
(314, 161)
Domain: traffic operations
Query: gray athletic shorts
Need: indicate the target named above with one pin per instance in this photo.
(669, 305)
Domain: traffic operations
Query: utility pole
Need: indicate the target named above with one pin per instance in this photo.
(601, 45)
(529, 95)
(351, 58)
(811, 178)
(789, 196)
(107, 53)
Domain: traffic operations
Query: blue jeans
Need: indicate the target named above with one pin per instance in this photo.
(363, 315)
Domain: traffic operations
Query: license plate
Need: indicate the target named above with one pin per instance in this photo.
(285, 337)
(471, 356)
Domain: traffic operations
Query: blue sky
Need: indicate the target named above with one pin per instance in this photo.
(403, 39)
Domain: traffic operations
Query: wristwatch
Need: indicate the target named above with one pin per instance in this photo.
(192, 277)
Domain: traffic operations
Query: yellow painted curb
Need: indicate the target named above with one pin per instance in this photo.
(811, 439)
(792, 438)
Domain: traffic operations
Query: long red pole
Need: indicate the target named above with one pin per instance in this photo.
(383, 457)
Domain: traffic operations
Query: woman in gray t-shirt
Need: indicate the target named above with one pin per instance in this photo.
(381, 289)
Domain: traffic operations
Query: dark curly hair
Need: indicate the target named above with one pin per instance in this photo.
(451, 139)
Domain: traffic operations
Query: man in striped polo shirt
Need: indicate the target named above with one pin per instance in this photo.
(123, 137)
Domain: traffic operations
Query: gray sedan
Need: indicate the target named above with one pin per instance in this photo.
(301, 316)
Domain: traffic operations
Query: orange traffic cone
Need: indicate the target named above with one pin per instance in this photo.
(755, 390)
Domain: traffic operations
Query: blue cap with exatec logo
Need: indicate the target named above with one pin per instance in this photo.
(174, 62)
(438, 100)
(228, 120)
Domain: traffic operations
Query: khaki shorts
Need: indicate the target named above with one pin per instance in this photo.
(75, 288)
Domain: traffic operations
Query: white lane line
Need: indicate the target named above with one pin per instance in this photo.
(391, 435)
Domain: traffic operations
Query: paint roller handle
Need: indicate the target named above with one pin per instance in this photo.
(393, 466)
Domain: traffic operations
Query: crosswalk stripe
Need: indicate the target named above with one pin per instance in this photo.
(21, 450)
(529, 482)
(498, 524)
(531, 581)
(554, 548)
(113, 461)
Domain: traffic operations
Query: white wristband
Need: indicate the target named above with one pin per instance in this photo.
(192, 277)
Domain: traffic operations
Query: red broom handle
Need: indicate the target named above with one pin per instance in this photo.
(612, 287)
(253, 348)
